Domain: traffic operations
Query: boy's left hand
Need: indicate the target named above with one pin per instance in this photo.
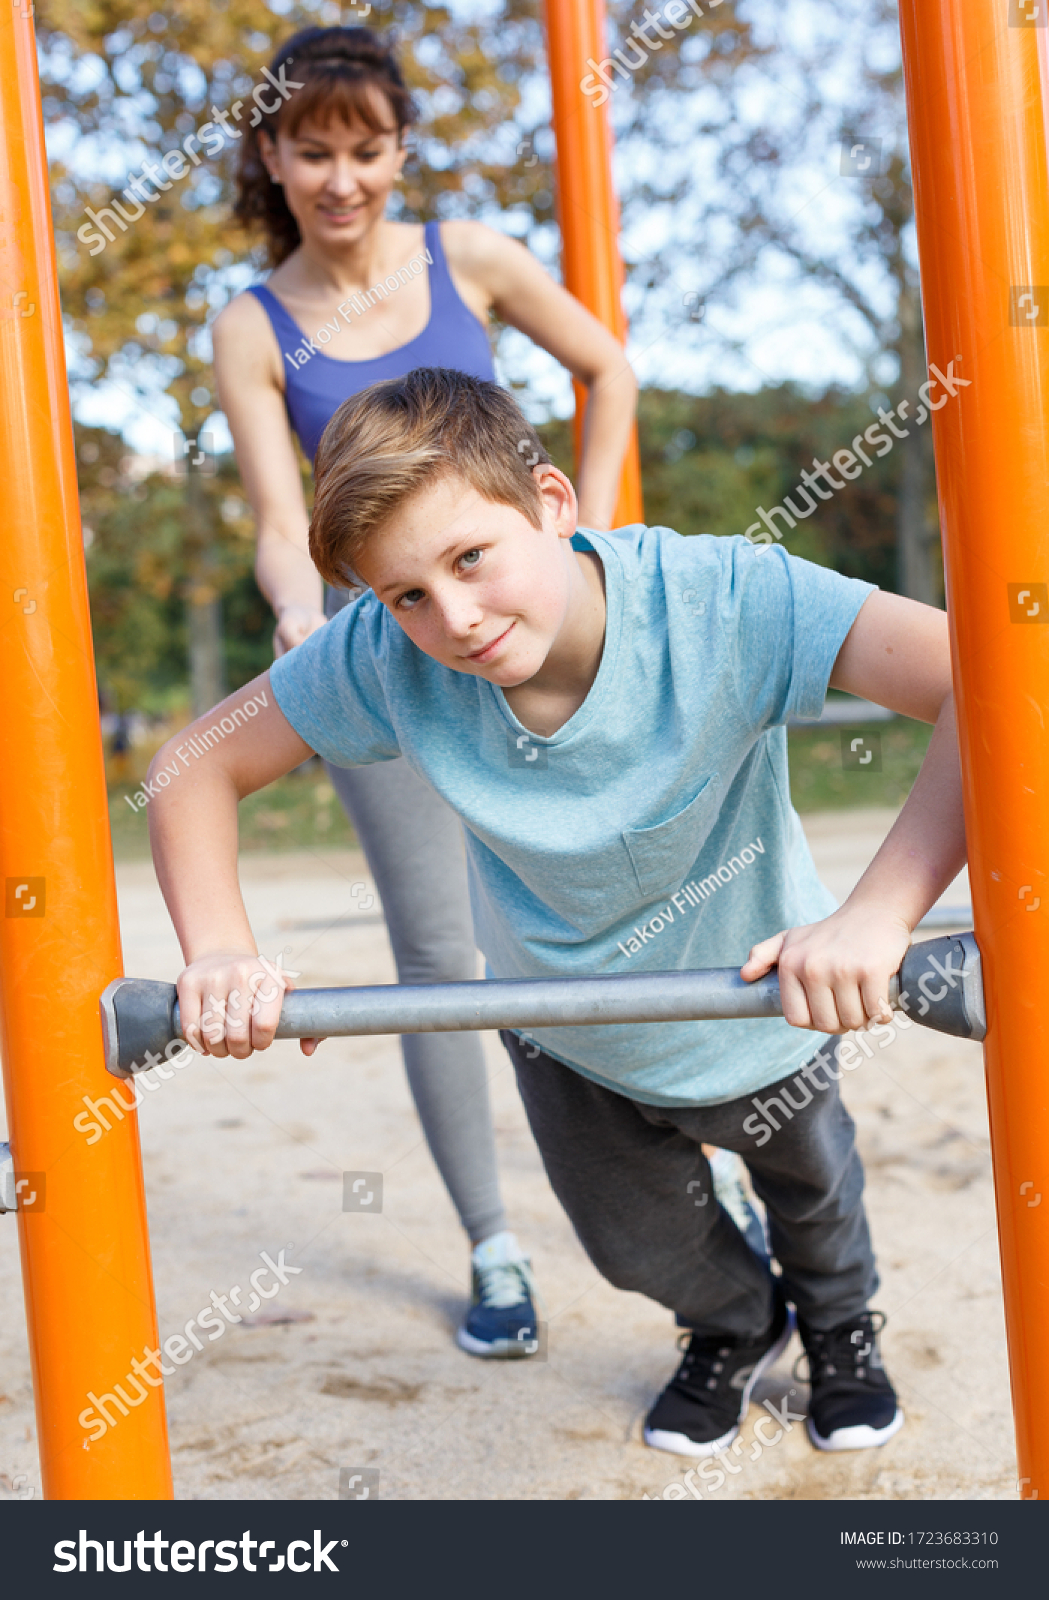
(834, 975)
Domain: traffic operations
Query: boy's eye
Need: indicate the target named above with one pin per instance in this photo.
(470, 559)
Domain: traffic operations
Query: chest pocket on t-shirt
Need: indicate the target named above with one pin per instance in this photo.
(663, 855)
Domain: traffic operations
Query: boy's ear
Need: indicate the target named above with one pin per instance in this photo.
(560, 507)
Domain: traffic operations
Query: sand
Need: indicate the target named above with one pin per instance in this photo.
(246, 1158)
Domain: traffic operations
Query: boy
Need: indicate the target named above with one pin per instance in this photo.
(606, 713)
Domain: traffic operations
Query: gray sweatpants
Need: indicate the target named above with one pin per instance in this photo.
(413, 842)
(638, 1191)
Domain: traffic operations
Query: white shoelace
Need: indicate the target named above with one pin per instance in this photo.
(504, 1286)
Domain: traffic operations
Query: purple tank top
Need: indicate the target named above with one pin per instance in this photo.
(317, 384)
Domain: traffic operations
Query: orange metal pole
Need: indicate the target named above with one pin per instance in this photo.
(587, 208)
(85, 1250)
(976, 92)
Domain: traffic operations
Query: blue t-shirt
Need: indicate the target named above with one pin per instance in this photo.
(654, 830)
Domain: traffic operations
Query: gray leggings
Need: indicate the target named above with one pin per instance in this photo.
(414, 846)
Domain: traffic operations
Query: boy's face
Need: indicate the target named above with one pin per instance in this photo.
(473, 583)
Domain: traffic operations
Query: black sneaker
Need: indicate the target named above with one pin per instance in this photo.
(852, 1404)
(700, 1409)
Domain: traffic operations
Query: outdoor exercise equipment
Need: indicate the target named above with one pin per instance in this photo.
(938, 985)
(84, 1246)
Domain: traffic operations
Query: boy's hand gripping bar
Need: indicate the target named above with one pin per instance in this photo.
(939, 984)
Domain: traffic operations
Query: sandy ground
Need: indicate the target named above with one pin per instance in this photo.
(247, 1158)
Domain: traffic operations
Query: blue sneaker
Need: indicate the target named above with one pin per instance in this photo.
(502, 1320)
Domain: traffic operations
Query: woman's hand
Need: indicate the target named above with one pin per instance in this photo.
(230, 1003)
(295, 623)
(834, 975)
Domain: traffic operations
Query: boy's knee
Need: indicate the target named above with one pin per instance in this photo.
(828, 1191)
(638, 1265)
(622, 1269)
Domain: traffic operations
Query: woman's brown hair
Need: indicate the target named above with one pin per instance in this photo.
(339, 70)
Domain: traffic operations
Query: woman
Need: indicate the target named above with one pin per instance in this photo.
(355, 298)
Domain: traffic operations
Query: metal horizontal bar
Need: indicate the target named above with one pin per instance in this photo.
(714, 995)
(843, 714)
(140, 1018)
(8, 1190)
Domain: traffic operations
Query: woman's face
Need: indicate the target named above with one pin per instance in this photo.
(337, 178)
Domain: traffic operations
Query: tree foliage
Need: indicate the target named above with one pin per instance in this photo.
(771, 146)
(139, 568)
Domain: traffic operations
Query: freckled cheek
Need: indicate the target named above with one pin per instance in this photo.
(545, 607)
(420, 631)
(432, 637)
(530, 595)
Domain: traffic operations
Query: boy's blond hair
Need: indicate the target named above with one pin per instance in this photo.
(399, 436)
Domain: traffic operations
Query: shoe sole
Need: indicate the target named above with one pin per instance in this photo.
(861, 1437)
(496, 1349)
(679, 1444)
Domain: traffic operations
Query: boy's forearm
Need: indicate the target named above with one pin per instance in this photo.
(925, 849)
(193, 833)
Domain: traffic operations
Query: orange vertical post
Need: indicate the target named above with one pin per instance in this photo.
(587, 208)
(85, 1249)
(976, 94)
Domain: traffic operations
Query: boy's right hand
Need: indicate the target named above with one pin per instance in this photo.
(230, 1003)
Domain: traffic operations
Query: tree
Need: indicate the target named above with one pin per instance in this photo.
(781, 155)
(710, 460)
(140, 564)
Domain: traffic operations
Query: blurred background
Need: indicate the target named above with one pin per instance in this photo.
(771, 286)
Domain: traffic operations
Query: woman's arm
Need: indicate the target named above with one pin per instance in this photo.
(834, 974)
(522, 294)
(247, 376)
(193, 834)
